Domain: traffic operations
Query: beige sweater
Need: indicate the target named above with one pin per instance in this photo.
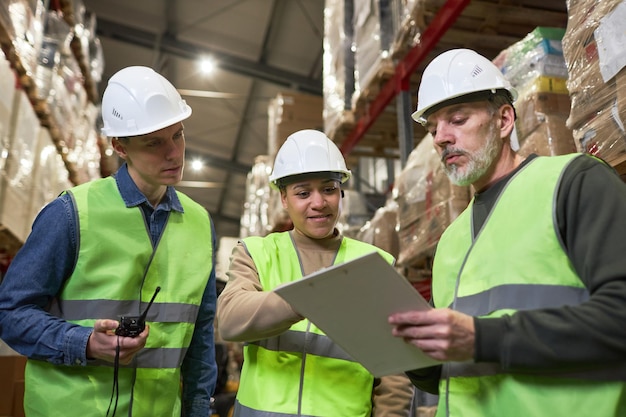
(245, 313)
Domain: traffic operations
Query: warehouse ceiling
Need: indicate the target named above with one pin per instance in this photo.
(261, 48)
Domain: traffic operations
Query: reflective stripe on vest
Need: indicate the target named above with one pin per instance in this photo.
(519, 297)
(304, 371)
(462, 280)
(116, 273)
(243, 411)
(74, 310)
(317, 344)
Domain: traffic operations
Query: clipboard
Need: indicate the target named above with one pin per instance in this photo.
(351, 302)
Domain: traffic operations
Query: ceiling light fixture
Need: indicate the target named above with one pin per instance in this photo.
(197, 165)
(207, 65)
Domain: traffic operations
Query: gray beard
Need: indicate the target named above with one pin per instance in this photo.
(479, 162)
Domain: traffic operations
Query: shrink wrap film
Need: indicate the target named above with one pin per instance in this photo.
(427, 203)
(603, 135)
(588, 90)
(596, 83)
(381, 230)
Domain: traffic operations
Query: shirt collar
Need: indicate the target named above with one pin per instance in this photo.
(133, 197)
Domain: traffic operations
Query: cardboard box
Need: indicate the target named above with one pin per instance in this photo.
(602, 136)
(18, 399)
(290, 112)
(533, 109)
(427, 203)
(589, 92)
(381, 230)
(299, 107)
(414, 184)
(551, 137)
(590, 97)
(417, 240)
(545, 84)
(12, 385)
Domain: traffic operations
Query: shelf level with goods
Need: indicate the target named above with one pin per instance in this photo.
(52, 84)
(593, 51)
(56, 82)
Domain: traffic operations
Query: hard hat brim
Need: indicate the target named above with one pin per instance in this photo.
(421, 115)
(111, 133)
(340, 176)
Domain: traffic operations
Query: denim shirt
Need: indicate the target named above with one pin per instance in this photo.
(48, 257)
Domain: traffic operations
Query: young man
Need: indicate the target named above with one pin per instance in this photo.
(102, 250)
(290, 367)
(529, 282)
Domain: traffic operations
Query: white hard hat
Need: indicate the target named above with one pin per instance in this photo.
(305, 152)
(138, 100)
(456, 73)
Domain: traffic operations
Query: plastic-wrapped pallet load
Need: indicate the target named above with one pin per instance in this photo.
(85, 154)
(255, 219)
(373, 36)
(338, 64)
(427, 203)
(535, 66)
(536, 62)
(354, 214)
(67, 105)
(278, 217)
(45, 181)
(263, 210)
(380, 230)
(406, 16)
(23, 22)
(20, 167)
(594, 40)
(7, 92)
(50, 175)
(56, 37)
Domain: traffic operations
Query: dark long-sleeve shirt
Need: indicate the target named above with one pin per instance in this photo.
(591, 219)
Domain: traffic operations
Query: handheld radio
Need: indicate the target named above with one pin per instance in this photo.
(132, 326)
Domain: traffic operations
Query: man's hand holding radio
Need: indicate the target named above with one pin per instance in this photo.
(103, 342)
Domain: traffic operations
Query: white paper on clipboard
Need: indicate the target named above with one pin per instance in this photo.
(351, 302)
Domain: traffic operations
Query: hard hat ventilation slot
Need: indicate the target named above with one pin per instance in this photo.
(476, 71)
(116, 114)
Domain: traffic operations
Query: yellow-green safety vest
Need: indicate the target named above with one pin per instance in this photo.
(463, 281)
(300, 372)
(116, 274)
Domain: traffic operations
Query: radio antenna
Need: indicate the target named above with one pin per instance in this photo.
(142, 318)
